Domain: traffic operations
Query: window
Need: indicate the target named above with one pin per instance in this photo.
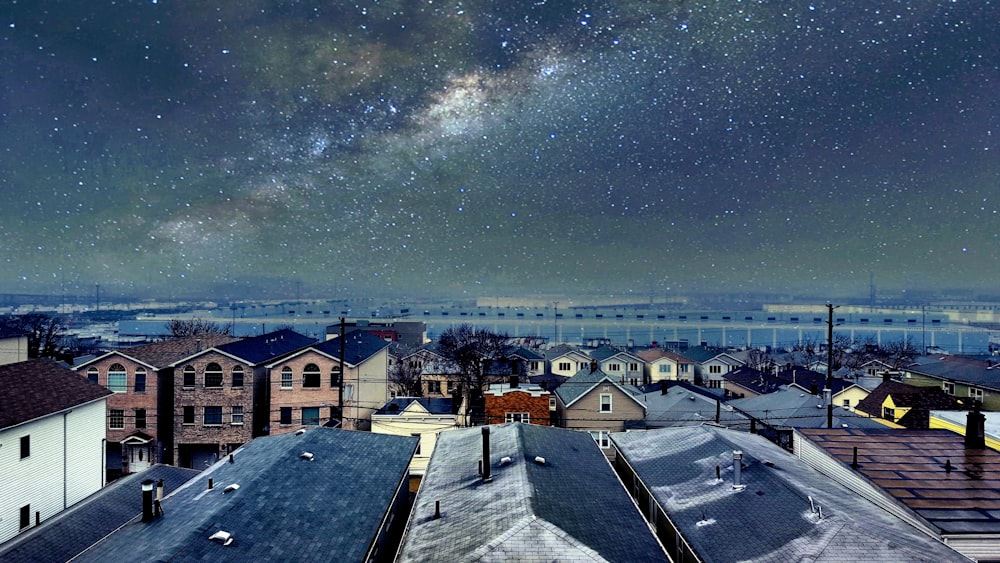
(715, 369)
(25, 446)
(92, 375)
(334, 376)
(237, 416)
(552, 403)
(117, 378)
(684, 368)
(140, 418)
(188, 376)
(614, 367)
(889, 414)
(310, 376)
(533, 366)
(976, 394)
(310, 416)
(238, 376)
(116, 419)
(286, 415)
(602, 439)
(948, 387)
(213, 416)
(665, 368)
(417, 436)
(847, 403)
(286, 377)
(140, 380)
(633, 367)
(518, 417)
(25, 516)
(188, 415)
(605, 402)
(564, 366)
(450, 387)
(213, 375)
(434, 387)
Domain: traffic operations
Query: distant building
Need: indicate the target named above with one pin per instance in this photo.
(598, 403)
(409, 333)
(519, 402)
(51, 442)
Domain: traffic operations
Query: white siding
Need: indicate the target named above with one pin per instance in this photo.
(13, 349)
(38, 480)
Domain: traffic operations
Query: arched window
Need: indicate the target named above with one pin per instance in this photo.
(335, 376)
(188, 376)
(213, 375)
(310, 376)
(117, 378)
(92, 375)
(238, 376)
(286, 377)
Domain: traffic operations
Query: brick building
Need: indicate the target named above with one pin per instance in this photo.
(220, 396)
(515, 402)
(137, 434)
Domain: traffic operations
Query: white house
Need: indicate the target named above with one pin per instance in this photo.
(52, 424)
(13, 346)
(423, 417)
(567, 361)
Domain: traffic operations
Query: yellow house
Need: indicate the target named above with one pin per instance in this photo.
(905, 406)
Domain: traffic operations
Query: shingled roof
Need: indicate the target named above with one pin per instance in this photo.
(919, 400)
(358, 347)
(36, 388)
(156, 355)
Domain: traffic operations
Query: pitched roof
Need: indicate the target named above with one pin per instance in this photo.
(773, 518)
(585, 380)
(979, 372)
(791, 408)
(258, 349)
(920, 400)
(682, 407)
(161, 354)
(910, 466)
(571, 507)
(36, 388)
(650, 355)
(70, 532)
(525, 353)
(433, 405)
(358, 346)
(286, 507)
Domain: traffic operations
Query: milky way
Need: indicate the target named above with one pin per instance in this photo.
(482, 148)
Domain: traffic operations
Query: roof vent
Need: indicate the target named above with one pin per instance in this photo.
(505, 460)
(300, 431)
(230, 488)
(222, 536)
(308, 456)
(540, 460)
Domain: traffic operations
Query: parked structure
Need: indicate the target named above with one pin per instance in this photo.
(51, 442)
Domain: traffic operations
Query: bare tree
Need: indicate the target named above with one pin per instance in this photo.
(807, 352)
(759, 360)
(45, 332)
(899, 353)
(197, 327)
(478, 355)
(404, 378)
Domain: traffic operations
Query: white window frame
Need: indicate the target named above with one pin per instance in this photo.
(287, 378)
(236, 416)
(609, 403)
(565, 366)
(602, 439)
(521, 417)
(976, 393)
(614, 366)
(948, 387)
(116, 415)
(666, 368)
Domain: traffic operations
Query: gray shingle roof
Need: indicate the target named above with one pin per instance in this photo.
(286, 508)
(258, 349)
(772, 519)
(36, 388)
(790, 407)
(572, 507)
(74, 530)
(358, 346)
(980, 372)
(681, 407)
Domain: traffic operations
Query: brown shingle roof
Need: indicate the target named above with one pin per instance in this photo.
(162, 354)
(35, 388)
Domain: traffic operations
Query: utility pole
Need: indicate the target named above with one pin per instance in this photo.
(555, 322)
(828, 392)
(340, 385)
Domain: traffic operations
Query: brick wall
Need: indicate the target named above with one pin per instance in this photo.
(128, 401)
(517, 401)
(198, 396)
(326, 397)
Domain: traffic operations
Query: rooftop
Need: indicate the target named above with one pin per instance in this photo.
(790, 407)
(36, 388)
(257, 349)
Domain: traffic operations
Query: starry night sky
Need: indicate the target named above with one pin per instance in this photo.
(482, 147)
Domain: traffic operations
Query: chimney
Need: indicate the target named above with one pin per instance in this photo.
(147, 500)
(486, 455)
(514, 380)
(737, 468)
(593, 366)
(197, 345)
(663, 387)
(975, 428)
(886, 376)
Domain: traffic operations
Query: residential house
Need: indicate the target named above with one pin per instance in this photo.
(959, 376)
(526, 362)
(566, 360)
(13, 345)
(412, 334)
(718, 495)
(957, 422)
(140, 425)
(304, 386)
(521, 492)
(664, 365)
(908, 406)
(71, 532)
(628, 367)
(519, 402)
(51, 442)
(312, 495)
(596, 402)
(745, 381)
(421, 417)
(710, 365)
(220, 396)
(935, 480)
(438, 377)
(776, 415)
(680, 403)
